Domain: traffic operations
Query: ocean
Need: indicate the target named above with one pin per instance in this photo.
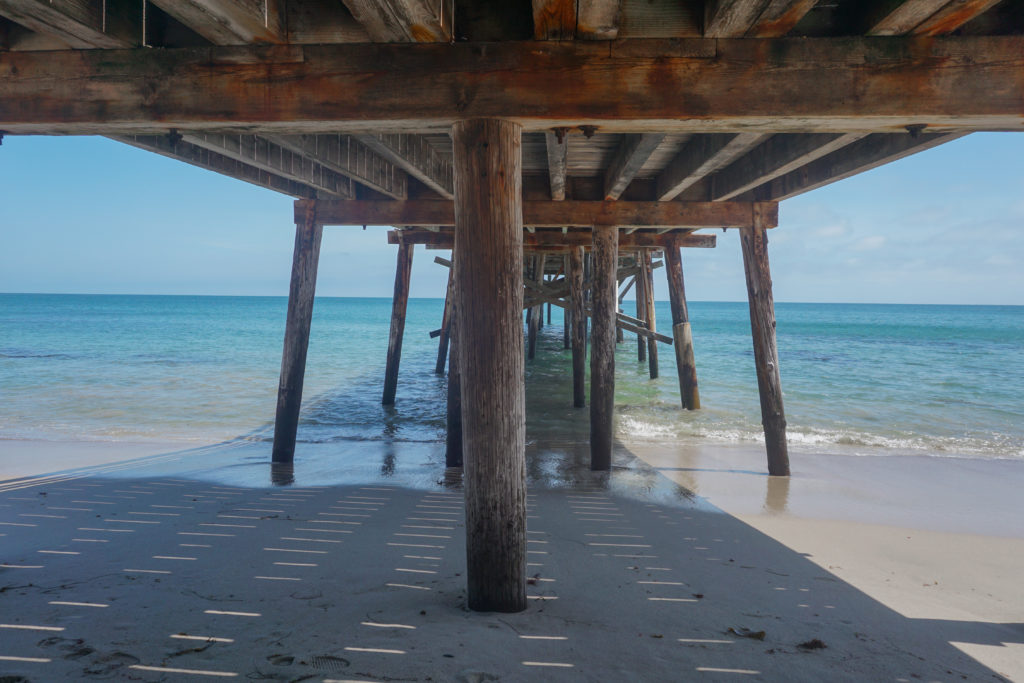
(944, 381)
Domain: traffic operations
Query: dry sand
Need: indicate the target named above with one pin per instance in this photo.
(198, 566)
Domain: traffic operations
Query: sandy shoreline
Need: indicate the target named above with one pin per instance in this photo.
(904, 567)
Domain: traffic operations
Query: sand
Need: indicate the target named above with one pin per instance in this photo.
(207, 565)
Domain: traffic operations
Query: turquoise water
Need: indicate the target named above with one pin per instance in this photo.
(867, 379)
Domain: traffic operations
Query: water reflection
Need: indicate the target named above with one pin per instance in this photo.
(776, 494)
(282, 473)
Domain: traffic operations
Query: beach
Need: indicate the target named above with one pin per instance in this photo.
(146, 537)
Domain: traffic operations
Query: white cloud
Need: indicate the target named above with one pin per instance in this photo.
(870, 243)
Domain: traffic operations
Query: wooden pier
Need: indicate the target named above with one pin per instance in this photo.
(558, 149)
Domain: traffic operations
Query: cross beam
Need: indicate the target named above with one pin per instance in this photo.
(542, 239)
(879, 84)
(548, 213)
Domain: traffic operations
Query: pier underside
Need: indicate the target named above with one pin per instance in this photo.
(558, 149)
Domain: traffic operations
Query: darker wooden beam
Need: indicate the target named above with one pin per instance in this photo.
(308, 233)
(230, 22)
(632, 153)
(565, 241)
(489, 281)
(549, 214)
(947, 83)
(391, 21)
(79, 24)
(399, 304)
(578, 319)
(558, 158)
(702, 156)
(446, 324)
(923, 17)
(605, 255)
(571, 19)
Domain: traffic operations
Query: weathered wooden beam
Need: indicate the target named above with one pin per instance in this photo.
(81, 24)
(779, 17)
(446, 324)
(862, 155)
(230, 22)
(605, 255)
(549, 213)
(262, 153)
(415, 155)
(558, 240)
(689, 394)
(558, 159)
(308, 233)
(731, 18)
(647, 276)
(777, 156)
(571, 19)
(180, 150)
(489, 280)
(754, 243)
(399, 304)
(534, 312)
(632, 153)
(641, 311)
(626, 323)
(391, 21)
(702, 156)
(948, 83)
(578, 318)
(925, 17)
(345, 155)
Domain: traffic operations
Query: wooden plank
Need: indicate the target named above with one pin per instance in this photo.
(598, 19)
(558, 158)
(949, 83)
(489, 231)
(550, 214)
(399, 304)
(218, 163)
(777, 156)
(571, 19)
(351, 158)
(605, 256)
(577, 238)
(955, 14)
(308, 233)
(689, 393)
(863, 155)
(702, 156)
(389, 21)
(926, 17)
(731, 18)
(641, 311)
(632, 153)
(416, 156)
(779, 17)
(754, 243)
(230, 22)
(82, 24)
(579, 328)
(647, 276)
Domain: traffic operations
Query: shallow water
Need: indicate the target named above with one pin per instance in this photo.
(865, 379)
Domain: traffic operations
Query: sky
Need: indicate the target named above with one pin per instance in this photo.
(90, 215)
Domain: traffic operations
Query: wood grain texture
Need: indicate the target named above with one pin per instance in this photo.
(399, 305)
(702, 156)
(446, 324)
(558, 157)
(301, 292)
(689, 393)
(605, 255)
(230, 22)
(551, 214)
(390, 21)
(754, 243)
(579, 328)
(453, 451)
(489, 279)
(81, 24)
(948, 83)
(632, 154)
(647, 277)
(641, 311)
(416, 156)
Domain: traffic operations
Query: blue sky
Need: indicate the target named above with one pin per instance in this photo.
(88, 215)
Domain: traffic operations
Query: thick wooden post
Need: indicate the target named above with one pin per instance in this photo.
(605, 256)
(453, 439)
(489, 282)
(308, 235)
(535, 317)
(578, 317)
(446, 322)
(754, 242)
(647, 275)
(641, 310)
(403, 271)
(682, 338)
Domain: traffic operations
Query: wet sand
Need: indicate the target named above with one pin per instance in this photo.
(206, 564)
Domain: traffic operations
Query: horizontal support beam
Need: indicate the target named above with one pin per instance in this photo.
(577, 238)
(773, 85)
(550, 213)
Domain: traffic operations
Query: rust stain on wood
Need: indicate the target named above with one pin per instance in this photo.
(555, 20)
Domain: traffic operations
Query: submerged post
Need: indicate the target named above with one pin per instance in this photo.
(489, 282)
(308, 233)
(647, 275)
(578, 317)
(535, 316)
(682, 339)
(403, 271)
(605, 256)
(754, 242)
(446, 323)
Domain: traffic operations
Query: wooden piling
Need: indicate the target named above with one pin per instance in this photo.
(578, 317)
(535, 315)
(689, 393)
(399, 304)
(605, 255)
(754, 242)
(641, 314)
(305, 258)
(647, 276)
(489, 242)
(446, 324)
(453, 438)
